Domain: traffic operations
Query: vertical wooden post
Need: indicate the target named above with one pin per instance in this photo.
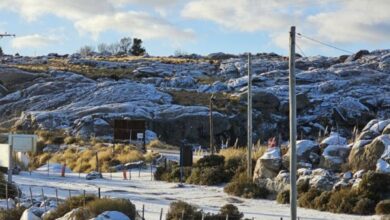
(143, 211)
(211, 125)
(57, 197)
(70, 194)
(99, 194)
(151, 171)
(31, 197)
(161, 213)
(293, 127)
(43, 198)
(10, 157)
(6, 194)
(249, 129)
(84, 198)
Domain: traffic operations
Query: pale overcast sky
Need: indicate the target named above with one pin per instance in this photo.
(194, 26)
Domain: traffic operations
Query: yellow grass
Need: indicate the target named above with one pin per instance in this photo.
(157, 144)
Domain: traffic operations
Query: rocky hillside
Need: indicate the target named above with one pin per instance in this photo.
(83, 95)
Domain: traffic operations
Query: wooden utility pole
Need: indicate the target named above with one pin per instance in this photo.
(211, 125)
(249, 130)
(293, 127)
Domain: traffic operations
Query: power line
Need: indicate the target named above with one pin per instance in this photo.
(300, 49)
(323, 43)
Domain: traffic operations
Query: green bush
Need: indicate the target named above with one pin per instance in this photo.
(68, 205)
(171, 173)
(211, 161)
(306, 199)
(321, 201)
(233, 165)
(181, 210)
(374, 186)
(207, 176)
(232, 211)
(11, 214)
(13, 190)
(98, 206)
(283, 197)
(364, 207)
(343, 201)
(243, 186)
(383, 207)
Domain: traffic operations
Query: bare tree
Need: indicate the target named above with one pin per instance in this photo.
(86, 50)
(102, 48)
(113, 48)
(124, 45)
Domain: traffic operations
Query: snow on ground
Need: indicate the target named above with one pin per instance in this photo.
(157, 194)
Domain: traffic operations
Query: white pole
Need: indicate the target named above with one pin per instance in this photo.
(249, 130)
(293, 127)
(10, 157)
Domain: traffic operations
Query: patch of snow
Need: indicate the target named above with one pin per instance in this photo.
(304, 146)
(272, 153)
(379, 126)
(382, 166)
(53, 168)
(334, 139)
(112, 215)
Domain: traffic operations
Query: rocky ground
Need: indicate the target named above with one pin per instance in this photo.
(84, 94)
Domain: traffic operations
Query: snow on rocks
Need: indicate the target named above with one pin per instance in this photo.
(31, 214)
(112, 215)
(334, 156)
(334, 139)
(268, 165)
(307, 154)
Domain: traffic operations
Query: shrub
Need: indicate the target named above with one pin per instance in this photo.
(131, 156)
(234, 165)
(176, 210)
(231, 211)
(207, 176)
(343, 201)
(211, 161)
(12, 214)
(13, 190)
(321, 201)
(283, 197)
(306, 200)
(383, 207)
(374, 186)
(171, 173)
(70, 140)
(68, 205)
(243, 186)
(98, 206)
(364, 207)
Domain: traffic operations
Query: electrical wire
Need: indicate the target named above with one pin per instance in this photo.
(323, 43)
(300, 49)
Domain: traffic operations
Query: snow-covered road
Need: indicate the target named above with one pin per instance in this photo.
(156, 195)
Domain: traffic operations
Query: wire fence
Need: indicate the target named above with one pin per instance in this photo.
(46, 196)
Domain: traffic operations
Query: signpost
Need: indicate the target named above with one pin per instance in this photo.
(17, 143)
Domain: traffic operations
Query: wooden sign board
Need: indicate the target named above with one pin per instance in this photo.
(127, 130)
(23, 142)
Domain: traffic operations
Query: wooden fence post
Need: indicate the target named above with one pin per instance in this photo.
(31, 197)
(57, 197)
(161, 213)
(43, 197)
